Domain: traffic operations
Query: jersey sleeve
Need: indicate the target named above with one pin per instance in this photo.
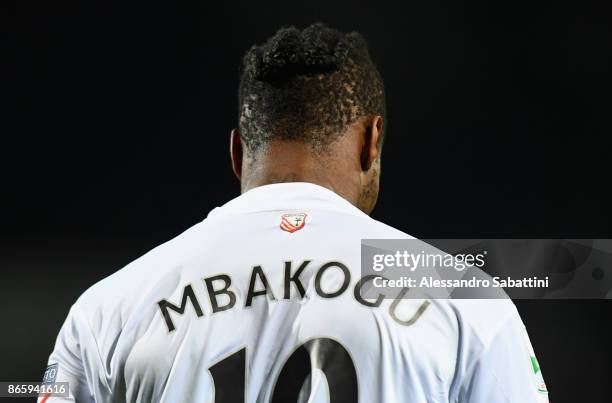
(507, 370)
(66, 362)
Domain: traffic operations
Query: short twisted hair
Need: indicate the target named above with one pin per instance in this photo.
(307, 85)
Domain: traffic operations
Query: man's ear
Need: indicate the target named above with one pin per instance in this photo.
(370, 150)
(236, 152)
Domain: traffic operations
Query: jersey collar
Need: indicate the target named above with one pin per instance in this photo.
(284, 197)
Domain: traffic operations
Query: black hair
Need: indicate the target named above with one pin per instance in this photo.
(307, 85)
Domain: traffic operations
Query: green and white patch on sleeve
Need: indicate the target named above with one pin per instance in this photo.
(537, 372)
(535, 366)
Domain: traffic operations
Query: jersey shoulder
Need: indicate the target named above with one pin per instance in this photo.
(481, 320)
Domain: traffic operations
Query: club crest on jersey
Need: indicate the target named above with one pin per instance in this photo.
(293, 222)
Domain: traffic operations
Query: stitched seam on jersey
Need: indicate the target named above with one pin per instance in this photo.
(453, 385)
(486, 349)
(232, 213)
(502, 323)
(91, 333)
(506, 398)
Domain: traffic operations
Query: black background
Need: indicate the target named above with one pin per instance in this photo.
(115, 136)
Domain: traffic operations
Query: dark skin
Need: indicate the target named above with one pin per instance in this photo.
(350, 165)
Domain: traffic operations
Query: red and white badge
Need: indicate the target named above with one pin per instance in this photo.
(293, 222)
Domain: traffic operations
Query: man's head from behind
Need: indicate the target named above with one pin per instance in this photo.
(311, 108)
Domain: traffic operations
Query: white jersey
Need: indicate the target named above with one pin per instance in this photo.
(260, 303)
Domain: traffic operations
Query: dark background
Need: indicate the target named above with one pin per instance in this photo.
(115, 136)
